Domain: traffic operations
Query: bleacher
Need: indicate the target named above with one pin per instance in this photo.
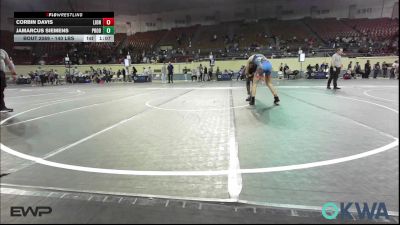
(377, 29)
(118, 38)
(330, 28)
(205, 38)
(185, 34)
(253, 34)
(295, 31)
(145, 40)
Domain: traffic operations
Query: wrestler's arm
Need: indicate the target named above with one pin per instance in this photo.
(10, 66)
(248, 64)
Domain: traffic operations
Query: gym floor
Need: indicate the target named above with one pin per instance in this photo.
(203, 142)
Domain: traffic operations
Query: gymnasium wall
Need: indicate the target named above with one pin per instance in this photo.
(230, 64)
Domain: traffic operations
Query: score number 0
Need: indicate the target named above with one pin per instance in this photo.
(108, 21)
(108, 25)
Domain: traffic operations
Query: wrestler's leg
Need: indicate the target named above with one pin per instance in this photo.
(268, 82)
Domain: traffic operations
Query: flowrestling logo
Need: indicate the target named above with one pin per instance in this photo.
(18, 211)
(331, 210)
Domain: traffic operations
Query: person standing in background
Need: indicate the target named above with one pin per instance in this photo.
(205, 74)
(240, 74)
(211, 58)
(217, 72)
(210, 73)
(118, 73)
(150, 72)
(395, 68)
(185, 71)
(164, 73)
(285, 70)
(134, 72)
(337, 65)
(201, 73)
(194, 74)
(377, 70)
(351, 71)
(350, 66)
(357, 70)
(281, 67)
(124, 74)
(5, 60)
(56, 77)
(198, 74)
(384, 69)
(367, 69)
(170, 73)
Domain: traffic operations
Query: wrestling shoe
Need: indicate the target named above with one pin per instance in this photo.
(5, 109)
(276, 100)
(252, 101)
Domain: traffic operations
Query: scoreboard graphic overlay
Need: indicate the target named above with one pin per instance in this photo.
(64, 27)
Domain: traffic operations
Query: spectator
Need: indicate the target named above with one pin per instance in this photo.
(286, 70)
(43, 76)
(201, 72)
(106, 75)
(350, 66)
(150, 73)
(134, 70)
(281, 67)
(57, 81)
(357, 69)
(211, 57)
(317, 67)
(241, 74)
(170, 69)
(395, 68)
(210, 72)
(185, 70)
(194, 74)
(124, 74)
(367, 70)
(31, 75)
(198, 74)
(231, 73)
(164, 73)
(309, 71)
(325, 67)
(384, 69)
(225, 72)
(350, 70)
(51, 77)
(377, 70)
(205, 74)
